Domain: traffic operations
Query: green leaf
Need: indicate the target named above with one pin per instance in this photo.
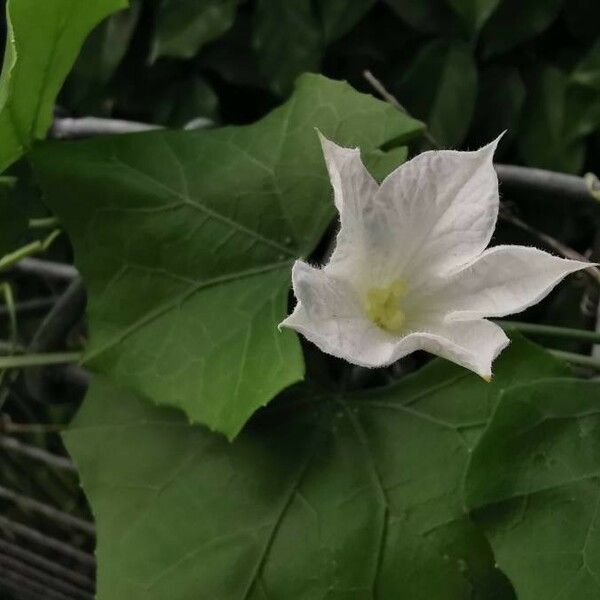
(186, 239)
(500, 100)
(42, 43)
(285, 29)
(517, 21)
(98, 60)
(474, 13)
(338, 17)
(534, 479)
(587, 71)
(323, 496)
(427, 16)
(440, 87)
(290, 37)
(184, 101)
(183, 27)
(558, 114)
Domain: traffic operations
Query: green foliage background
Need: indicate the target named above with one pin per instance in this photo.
(349, 485)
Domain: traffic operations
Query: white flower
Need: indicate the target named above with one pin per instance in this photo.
(410, 270)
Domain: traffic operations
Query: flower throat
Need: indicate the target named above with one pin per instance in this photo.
(382, 306)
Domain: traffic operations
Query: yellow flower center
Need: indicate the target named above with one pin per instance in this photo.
(382, 306)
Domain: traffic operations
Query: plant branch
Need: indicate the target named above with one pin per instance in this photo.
(391, 99)
(577, 359)
(553, 243)
(552, 331)
(19, 361)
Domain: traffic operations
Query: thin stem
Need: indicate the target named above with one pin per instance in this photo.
(9, 301)
(43, 223)
(391, 99)
(37, 360)
(553, 243)
(553, 331)
(33, 248)
(577, 359)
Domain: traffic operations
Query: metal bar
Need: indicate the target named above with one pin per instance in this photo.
(527, 179)
(54, 460)
(48, 581)
(34, 590)
(20, 530)
(44, 563)
(90, 126)
(45, 268)
(33, 306)
(48, 511)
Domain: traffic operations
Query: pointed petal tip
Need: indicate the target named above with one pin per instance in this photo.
(487, 378)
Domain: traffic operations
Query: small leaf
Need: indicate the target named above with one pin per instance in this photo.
(338, 17)
(533, 479)
(183, 27)
(322, 496)
(516, 21)
(186, 239)
(440, 87)
(587, 71)
(290, 37)
(42, 43)
(474, 13)
(427, 16)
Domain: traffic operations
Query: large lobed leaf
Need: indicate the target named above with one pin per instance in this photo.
(43, 40)
(534, 480)
(185, 241)
(338, 496)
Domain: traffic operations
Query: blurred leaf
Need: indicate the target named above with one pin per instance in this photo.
(500, 99)
(186, 240)
(516, 21)
(13, 217)
(557, 116)
(440, 87)
(338, 17)
(287, 41)
(587, 71)
(184, 101)
(322, 496)
(427, 16)
(543, 139)
(290, 37)
(474, 13)
(534, 479)
(43, 41)
(99, 58)
(184, 26)
(583, 19)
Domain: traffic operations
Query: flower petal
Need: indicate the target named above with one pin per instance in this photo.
(436, 212)
(471, 344)
(505, 280)
(329, 314)
(353, 186)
